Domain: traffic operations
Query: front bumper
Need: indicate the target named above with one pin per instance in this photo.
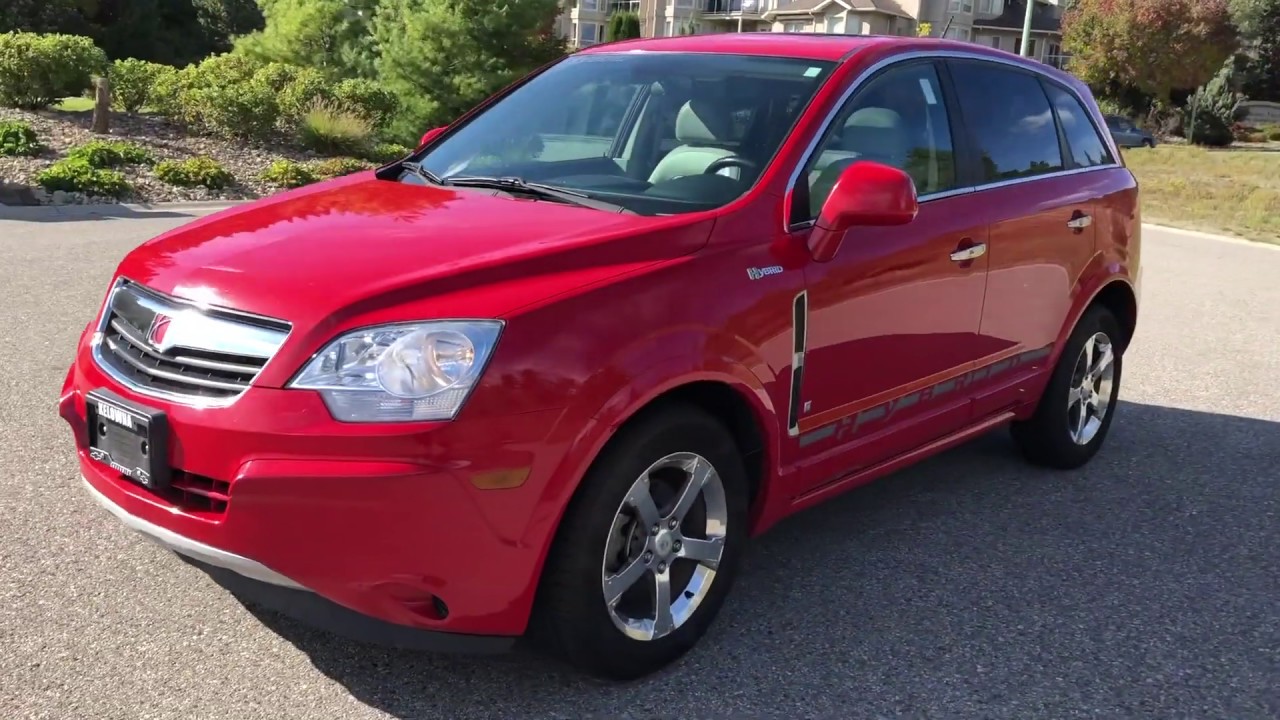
(253, 582)
(390, 524)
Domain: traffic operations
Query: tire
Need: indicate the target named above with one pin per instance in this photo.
(572, 619)
(1053, 436)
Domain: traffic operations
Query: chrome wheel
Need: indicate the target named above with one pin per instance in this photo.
(1089, 397)
(665, 546)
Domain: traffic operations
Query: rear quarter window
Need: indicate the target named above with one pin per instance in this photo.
(1010, 120)
(1087, 147)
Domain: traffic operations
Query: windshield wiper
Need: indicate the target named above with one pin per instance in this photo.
(539, 190)
(417, 169)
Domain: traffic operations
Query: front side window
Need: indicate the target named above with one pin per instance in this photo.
(898, 119)
(1008, 115)
(1087, 147)
(656, 133)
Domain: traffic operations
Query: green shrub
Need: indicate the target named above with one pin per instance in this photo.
(18, 138)
(289, 174)
(77, 175)
(331, 130)
(1271, 132)
(36, 70)
(110, 153)
(335, 167)
(133, 81)
(1209, 130)
(300, 94)
(194, 172)
(367, 99)
(222, 95)
(387, 152)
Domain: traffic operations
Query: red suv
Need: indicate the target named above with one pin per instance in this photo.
(545, 376)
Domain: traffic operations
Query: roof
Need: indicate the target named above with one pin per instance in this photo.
(808, 46)
(1015, 13)
(888, 7)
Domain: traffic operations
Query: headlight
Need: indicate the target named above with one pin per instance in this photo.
(402, 372)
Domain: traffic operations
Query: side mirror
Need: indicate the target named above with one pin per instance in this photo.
(430, 135)
(866, 194)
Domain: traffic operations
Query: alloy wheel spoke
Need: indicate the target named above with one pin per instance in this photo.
(1075, 397)
(1081, 420)
(663, 622)
(1089, 347)
(1101, 363)
(616, 585)
(699, 471)
(641, 501)
(706, 552)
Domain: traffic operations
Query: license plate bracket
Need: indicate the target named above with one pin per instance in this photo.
(131, 439)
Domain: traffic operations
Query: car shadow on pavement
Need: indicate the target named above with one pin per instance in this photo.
(970, 585)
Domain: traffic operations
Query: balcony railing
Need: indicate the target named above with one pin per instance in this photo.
(735, 7)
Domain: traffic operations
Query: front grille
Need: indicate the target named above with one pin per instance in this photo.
(165, 346)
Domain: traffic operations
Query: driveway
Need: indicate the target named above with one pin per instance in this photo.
(1147, 584)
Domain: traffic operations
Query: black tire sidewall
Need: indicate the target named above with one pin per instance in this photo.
(574, 604)
(1046, 437)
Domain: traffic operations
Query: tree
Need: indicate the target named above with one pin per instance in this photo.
(1259, 23)
(441, 57)
(622, 26)
(333, 36)
(1153, 46)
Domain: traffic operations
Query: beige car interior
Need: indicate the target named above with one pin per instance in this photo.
(704, 130)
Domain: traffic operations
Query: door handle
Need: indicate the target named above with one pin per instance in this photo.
(973, 252)
(1080, 221)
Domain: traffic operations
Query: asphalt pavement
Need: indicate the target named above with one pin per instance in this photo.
(972, 586)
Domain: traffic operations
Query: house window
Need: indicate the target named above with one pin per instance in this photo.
(990, 7)
(833, 23)
(589, 4)
(588, 34)
(995, 41)
(793, 27)
(960, 6)
(956, 33)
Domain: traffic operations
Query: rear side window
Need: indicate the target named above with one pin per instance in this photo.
(1010, 120)
(1087, 147)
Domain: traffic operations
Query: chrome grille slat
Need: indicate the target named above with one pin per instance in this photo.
(154, 371)
(173, 348)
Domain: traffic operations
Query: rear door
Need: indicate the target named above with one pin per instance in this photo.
(1040, 198)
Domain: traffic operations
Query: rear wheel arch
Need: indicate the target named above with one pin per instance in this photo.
(1118, 297)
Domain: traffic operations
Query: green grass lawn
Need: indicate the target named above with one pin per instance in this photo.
(1233, 189)
(74, 104)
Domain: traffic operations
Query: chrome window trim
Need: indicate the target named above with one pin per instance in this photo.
(260, 337)
(866, 75)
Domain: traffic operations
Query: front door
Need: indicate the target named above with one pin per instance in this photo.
(891, 322)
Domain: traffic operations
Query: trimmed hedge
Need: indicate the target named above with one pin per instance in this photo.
(195, 172)
(37, 70)
(133, 81)
(18, 138)
(77, 175)
(111, 153)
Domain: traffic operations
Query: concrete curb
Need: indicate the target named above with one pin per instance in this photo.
(38, 213)
(1233, 239)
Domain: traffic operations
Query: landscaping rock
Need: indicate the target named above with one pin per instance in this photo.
(60, 131)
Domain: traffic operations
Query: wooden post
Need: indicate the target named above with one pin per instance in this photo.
(101, 106)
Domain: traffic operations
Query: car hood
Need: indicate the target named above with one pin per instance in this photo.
(308, 254)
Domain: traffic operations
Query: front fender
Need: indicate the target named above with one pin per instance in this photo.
(638, 375)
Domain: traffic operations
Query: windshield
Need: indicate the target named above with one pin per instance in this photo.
(656, 134)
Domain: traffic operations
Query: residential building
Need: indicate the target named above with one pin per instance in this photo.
(998, 24)
(995, 23)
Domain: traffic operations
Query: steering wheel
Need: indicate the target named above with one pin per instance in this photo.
(728, 162)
